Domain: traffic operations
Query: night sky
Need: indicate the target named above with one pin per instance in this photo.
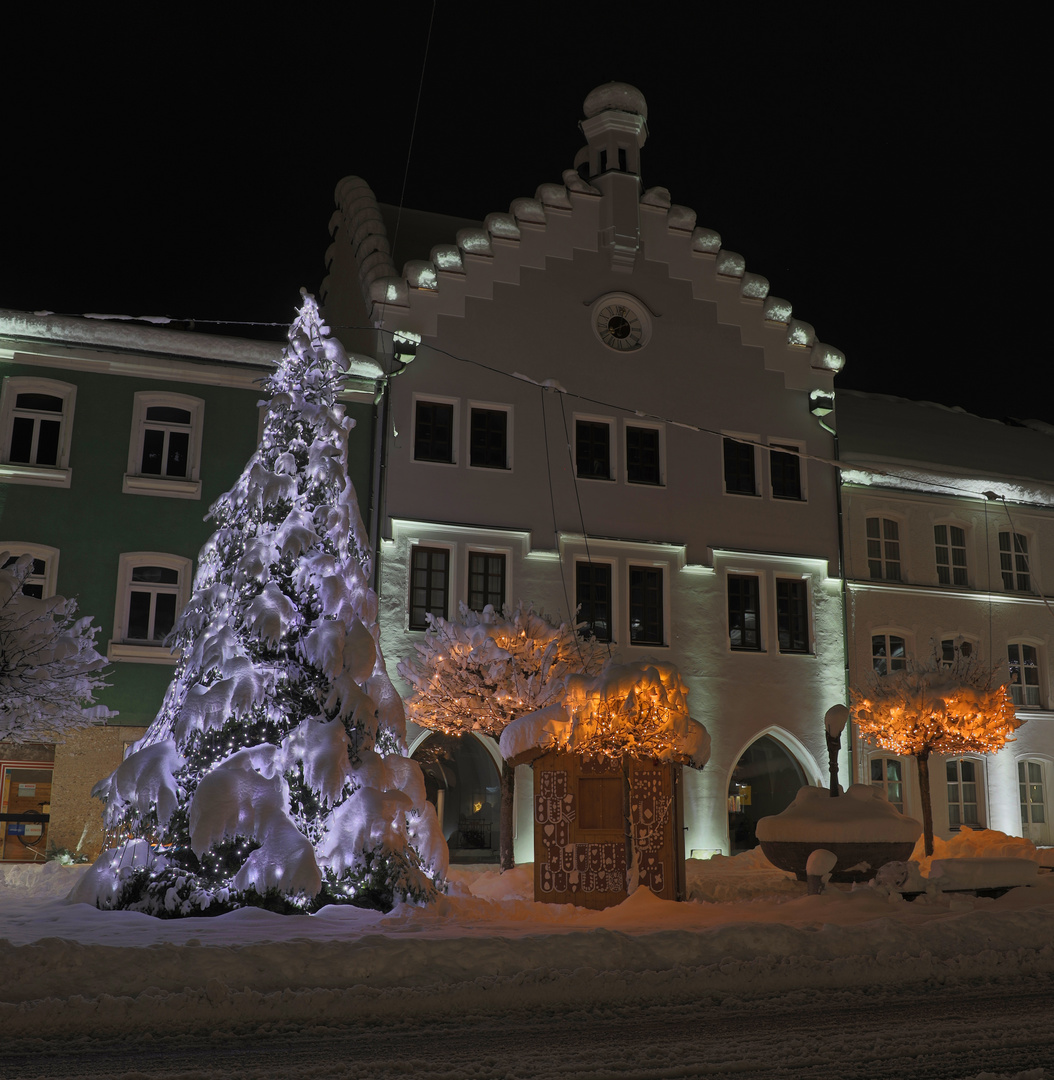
(876, 170)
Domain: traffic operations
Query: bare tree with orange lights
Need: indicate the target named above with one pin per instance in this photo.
(481, 671)
(936, 708)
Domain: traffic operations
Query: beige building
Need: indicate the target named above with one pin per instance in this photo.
(593, 404)
(948, 522)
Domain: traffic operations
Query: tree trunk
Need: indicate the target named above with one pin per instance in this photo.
(508, 803)
(632, 871)
(923, 760)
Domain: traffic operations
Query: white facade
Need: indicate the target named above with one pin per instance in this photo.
(944, 494)
(592, 401)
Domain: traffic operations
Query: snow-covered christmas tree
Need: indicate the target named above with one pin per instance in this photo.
(274, 773)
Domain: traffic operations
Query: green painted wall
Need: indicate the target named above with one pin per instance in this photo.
(93, 521)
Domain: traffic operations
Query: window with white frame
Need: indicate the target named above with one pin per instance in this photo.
(954, 649)
(964, 786)
(792, 615)
(949, 544)
(486, 580)
(887, 773)
(883, 549)
(429, 584)
(889, 653)
(43, 570)
(744, 612)
(490, 436)
(785, 476)
(1013, 562)
(164, 456)
(643, 454)
(646, 602)
(594, 598)
(1023, 662)
(152, 589)
(36, 426)
(1032, 794)
(593, 448)
(435, 429)
(740, 469)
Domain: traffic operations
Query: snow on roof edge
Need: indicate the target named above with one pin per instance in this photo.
(137, 337)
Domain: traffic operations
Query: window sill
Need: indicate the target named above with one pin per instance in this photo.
(491, 468)
(744, 494)
(796, 652)
(162, 486)
(589, 476)
(645, 483)
(39, 475)
(118, 651)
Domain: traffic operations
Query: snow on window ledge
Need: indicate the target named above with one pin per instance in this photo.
(122, 651)
(161, 485)
(35, 474)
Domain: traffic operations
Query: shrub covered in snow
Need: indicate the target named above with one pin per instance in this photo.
(274, 774)
(49, 669)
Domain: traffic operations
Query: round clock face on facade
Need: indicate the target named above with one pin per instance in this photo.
(620, 325)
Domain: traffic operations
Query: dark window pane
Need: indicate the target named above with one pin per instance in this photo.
(486, 580)
(739, 468)
(139, 616)
(32, 589)
(166, 414)
(48, 442)
(593, 597)
(153, 452)
(434, 432)
(593, 449)
(21, 439)
(39, 402)
(792, 616)
(642, 456)
(786, 474)
(156, 575)
(743, 630)
(645, 605)
(164, 614)
(178, 447)
(428, 585)
(487, 442)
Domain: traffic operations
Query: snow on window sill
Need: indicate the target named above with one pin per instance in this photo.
(161, 485)
(118, 651)
(40, 475)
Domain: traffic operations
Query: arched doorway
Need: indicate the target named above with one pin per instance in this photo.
(463, 784)
(764, 782)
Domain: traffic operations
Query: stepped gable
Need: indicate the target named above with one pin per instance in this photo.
(559, 219)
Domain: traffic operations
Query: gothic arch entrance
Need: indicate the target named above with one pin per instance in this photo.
(463, 784)
(764, 782)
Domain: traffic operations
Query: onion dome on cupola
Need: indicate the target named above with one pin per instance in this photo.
(615, 127)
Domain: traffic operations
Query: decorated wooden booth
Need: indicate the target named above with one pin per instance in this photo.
(607, 784)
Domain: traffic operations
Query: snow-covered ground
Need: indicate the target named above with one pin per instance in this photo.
(749, 937)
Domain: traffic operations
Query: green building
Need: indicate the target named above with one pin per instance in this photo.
(115, 438)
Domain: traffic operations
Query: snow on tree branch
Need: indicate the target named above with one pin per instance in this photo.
(49, 669)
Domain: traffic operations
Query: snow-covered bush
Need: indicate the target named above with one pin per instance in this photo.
(274, 773)
(481, 671)
(49, 669)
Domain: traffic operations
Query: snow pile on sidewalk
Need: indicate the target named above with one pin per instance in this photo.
(750, 930)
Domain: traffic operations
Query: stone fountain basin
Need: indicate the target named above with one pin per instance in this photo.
(859, 826)
(856, 861)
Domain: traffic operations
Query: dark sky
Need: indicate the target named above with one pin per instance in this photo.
(881, 172)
